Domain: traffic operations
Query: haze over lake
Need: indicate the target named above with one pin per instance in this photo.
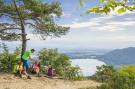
(87, 66)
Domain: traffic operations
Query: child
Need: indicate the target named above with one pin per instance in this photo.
(36, 67)
(51, 71)
(21, 71)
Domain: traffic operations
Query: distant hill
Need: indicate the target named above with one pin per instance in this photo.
(120, 56)
(85, 53)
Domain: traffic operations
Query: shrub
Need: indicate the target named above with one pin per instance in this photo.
(73, 73)
(122, 78)
(60, 62)
(8, 60)
(103, 73)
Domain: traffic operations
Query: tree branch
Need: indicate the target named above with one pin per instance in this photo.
(4, 29)
(8, 15)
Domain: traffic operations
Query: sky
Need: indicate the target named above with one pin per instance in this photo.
(90, 31)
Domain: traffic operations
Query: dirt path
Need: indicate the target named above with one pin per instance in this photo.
(10, 82)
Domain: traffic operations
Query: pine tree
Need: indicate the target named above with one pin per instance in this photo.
(17, 16)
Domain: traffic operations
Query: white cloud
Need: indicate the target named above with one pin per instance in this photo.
(105, 31)
(64, 14)
(85, 41)
(129, 19)
(35, 37)
(104, 23)
(76, 25)
(107, 28)
(86, 38)
(120, 23)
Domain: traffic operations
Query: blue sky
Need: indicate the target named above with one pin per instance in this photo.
(91, 31)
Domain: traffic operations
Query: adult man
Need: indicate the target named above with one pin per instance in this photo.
(26, 57)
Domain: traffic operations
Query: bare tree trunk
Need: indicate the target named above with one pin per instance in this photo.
(23, 33)
(24, 40)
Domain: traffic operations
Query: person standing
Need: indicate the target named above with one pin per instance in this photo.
(26, 57)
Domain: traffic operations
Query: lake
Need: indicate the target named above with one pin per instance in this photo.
(87, 66)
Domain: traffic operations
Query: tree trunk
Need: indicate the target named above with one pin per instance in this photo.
(23, 33)
(24, 41)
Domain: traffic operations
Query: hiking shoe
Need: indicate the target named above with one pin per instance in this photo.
(29, 77)
(21, 76)
(38, 75)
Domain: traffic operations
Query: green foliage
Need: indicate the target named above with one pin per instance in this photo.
(121, 10)
(107, 6)
(104, 73)
(8, 60)
(127, 70)
(81, 2)
(73, 73)
(60, 62)
(36, 14)
(101, 0)
(30, 13)
(122, 78)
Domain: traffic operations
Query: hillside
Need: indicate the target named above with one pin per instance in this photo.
(121, 56)
(9, 81)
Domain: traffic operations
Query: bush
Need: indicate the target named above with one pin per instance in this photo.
(122, 78)
(8, 60)
(60, 62)
(73, 73)
(103, 73)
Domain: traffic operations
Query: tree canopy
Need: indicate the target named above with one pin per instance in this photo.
(17, 16)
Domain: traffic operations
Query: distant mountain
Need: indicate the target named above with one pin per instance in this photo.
(85, 54)
(120, 56)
